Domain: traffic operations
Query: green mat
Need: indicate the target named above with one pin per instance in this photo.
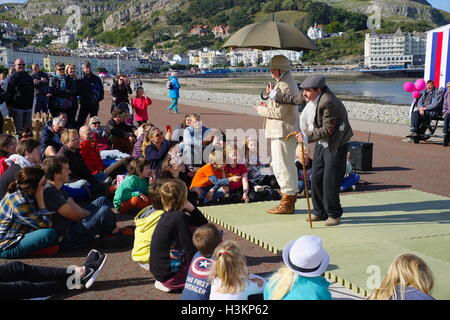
(376, 227)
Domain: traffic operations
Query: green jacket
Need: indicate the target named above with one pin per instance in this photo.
(132, 186)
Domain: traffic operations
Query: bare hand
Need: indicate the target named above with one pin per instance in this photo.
(234, 178)
(144, 197)
(299, 137)
(210, 195)
(262, 104)
(245, 198)
(189, 206)
(269, 88)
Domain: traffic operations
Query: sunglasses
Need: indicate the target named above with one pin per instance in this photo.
(95, 122)
(20, 64)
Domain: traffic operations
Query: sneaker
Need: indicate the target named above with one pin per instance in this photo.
(95, 260)
(160, 286)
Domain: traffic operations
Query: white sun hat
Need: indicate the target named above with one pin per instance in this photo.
(306, 257)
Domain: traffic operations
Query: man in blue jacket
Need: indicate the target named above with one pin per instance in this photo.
(429, 105)
(174, 91)
(91, 93)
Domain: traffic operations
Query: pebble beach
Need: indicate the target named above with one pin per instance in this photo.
(386, 113)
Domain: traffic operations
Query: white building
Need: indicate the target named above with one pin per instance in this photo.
(399, 49)
(10, 36)
(9, 55)
(317, 32)
(87, 43)
(293, 56)
(179, 59)
(249, 57)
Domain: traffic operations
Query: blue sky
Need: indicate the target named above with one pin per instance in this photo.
(439, 4)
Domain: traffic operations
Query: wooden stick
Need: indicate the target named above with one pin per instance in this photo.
(305, 179)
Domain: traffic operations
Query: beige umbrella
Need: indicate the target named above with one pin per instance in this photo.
(270, 35)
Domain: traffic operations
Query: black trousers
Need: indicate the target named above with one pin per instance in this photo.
(86, 110)
(419, 122)
(22, 281)
(328, 170)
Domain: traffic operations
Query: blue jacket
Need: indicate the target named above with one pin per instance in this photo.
(412, 293)
(315, 288)
(49, 138)
(175, 91)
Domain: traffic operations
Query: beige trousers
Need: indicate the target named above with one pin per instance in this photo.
(283, 164)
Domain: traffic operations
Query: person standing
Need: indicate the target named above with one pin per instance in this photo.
(20, 96)
(323, 120)
(41, 83)
(280, 120)
(91, 93)
(120, 91)
(62, 95)
(174, 91)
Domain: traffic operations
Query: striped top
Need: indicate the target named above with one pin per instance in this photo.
(18, 216)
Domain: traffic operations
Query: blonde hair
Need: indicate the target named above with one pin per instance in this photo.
(65, 136)
(68, 67)
(281, 283)
(148, 137)
(230, 266)
(407, 270)
(195, 116)
(173, 195)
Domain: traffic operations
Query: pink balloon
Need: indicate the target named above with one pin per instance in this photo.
(409, 86)
(420, 84)
(416, 94)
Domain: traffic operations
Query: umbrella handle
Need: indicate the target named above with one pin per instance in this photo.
(262, 95)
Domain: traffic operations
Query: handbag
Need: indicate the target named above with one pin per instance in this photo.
(63, 103)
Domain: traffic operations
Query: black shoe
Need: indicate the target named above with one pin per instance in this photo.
(446, 140)
(95, 260)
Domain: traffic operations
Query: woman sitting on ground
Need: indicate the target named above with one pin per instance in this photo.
(25, 223)
(155, 147)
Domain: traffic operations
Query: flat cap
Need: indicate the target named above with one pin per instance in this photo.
(313, 81)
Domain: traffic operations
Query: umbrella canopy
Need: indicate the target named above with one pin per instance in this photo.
(270, 35)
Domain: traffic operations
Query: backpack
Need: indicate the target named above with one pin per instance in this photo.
(169, 85)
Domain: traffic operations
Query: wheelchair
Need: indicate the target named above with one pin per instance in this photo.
(427, 128)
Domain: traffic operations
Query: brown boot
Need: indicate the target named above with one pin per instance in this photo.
(286, 205)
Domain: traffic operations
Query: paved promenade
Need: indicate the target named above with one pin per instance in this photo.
(397, 165)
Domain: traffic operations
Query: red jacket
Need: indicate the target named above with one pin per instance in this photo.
(3, 165)
(91, 156)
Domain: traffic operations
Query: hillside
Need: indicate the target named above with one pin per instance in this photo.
(165, 24)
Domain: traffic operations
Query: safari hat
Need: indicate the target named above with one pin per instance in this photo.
(306, 257)
(280, 62)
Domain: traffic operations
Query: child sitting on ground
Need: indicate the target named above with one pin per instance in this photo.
(197, 287)
(301, 277)
(230, 278)
(131, 195)
(299, 164)
(408, 278)
(351, 178)
(146, 221)
(239, 190)
(209, 182)
(140, 134)
(171, 247)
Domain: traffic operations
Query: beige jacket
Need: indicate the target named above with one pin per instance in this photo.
(281, 119)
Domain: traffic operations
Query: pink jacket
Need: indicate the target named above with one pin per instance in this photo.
(140, 107)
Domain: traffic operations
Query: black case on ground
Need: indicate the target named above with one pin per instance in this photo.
(361, 155)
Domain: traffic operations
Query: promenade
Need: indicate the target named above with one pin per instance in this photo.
(396, 166)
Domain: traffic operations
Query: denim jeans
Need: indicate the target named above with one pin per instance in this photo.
(101, 222)
(78, 190)
(217, 194)
(22, 118)
(40, 104)
(31, 242)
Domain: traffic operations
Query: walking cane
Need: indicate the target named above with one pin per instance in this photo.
(304, 176)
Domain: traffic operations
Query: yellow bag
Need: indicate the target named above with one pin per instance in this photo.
(143, 235)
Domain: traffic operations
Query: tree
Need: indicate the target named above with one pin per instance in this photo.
(72, 44)
(148, 46)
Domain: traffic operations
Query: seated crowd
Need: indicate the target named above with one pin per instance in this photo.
(64, 193)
